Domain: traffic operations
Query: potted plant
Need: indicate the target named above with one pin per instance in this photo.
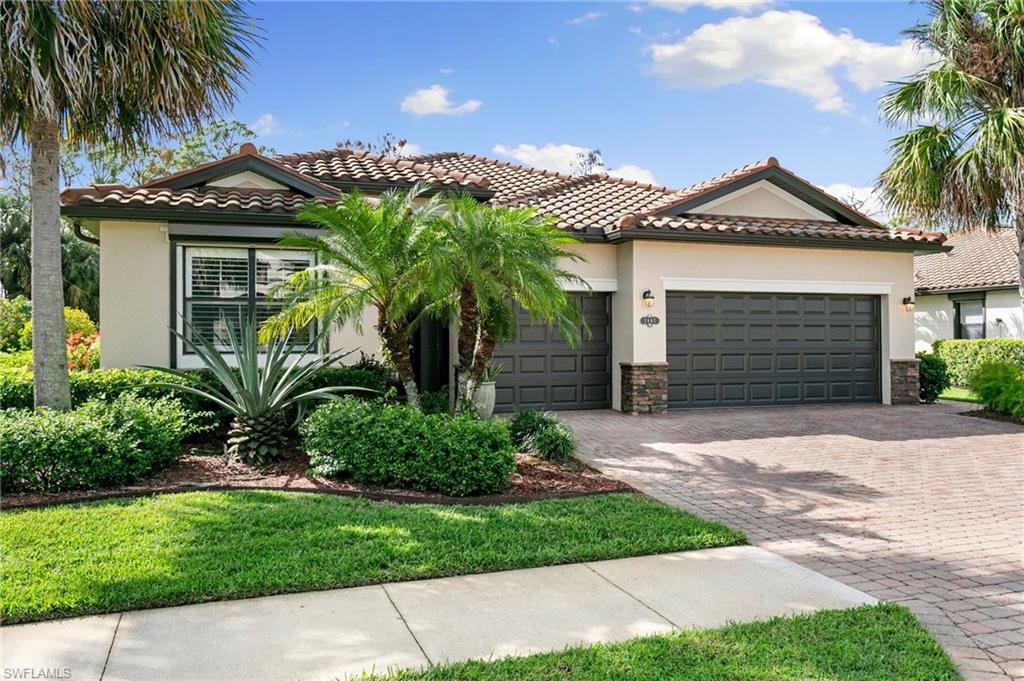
(483, 398)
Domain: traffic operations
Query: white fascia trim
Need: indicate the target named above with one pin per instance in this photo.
(771, 189)
(880, 288)
(595, 285)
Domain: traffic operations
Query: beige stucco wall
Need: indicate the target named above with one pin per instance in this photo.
(763, 199)
(661, 266)
(934, 317)
(359, 340)
(135, 296)
(247, 179)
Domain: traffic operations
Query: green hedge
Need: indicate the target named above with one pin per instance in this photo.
(100, 444)
(963, 357)
(394, 445)
(106, 384)
(933, 376)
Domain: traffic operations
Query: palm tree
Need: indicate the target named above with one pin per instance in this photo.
(484, 259)
(963, 165)
(90, 71)
(369, 256)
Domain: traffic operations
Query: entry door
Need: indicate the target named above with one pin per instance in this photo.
(736, 349)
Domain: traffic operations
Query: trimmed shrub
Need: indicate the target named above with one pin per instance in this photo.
(18, 360)
(394, 445)
(100, 444)
(553, 442)
(1000, 387)
(75, 321)
(14, 314)
(435, 402)
(525, 424)
(933, 377)
(963, 357)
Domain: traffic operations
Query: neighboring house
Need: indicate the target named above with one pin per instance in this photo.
(971, 291)
(752, 288)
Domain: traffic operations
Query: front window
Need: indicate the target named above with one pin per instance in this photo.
(225, 286)
(970, 319)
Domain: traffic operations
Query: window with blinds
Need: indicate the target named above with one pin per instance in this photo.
(225, 286)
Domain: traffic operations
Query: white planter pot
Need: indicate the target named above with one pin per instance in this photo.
(483, 400)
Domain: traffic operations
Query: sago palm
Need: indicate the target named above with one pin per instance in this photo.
(90, 71)
(368, 256)
(963, 164)
(482, 261)
(266, 384)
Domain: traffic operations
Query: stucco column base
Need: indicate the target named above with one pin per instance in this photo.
(905, 381)
(644, 387)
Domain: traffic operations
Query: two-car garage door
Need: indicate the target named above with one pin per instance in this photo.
(734, 349)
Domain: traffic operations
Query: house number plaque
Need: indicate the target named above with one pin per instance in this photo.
(650, 320)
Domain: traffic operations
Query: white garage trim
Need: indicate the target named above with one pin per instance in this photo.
(878, 288)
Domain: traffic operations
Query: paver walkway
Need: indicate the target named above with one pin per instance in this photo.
(331, 634)
(914, 505)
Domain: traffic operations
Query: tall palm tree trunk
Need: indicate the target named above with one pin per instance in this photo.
(50, 362)
(468, 330)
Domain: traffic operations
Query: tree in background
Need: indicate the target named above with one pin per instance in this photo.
(387, 144)
(962, 163)
(588, 161)
(92, 72)
(483, 260)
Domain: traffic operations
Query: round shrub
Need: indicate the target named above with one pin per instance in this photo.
(394, 445)
(933, 376)
(553, 442)
(14, 314)
(75, 321)
(100, 444)
(524, 424)
(1000, 387)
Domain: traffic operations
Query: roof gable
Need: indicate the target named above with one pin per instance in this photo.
(694, 197)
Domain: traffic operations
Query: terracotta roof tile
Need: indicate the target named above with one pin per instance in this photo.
(738, 224)
(346, 165)
(981, 258)
(591, 200)
(203, 198)
(507, 179)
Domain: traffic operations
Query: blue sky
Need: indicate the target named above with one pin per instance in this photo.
(669, 91)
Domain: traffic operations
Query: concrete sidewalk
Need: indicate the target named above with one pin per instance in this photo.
(332, 634)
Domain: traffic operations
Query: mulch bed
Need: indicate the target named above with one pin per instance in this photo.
(203, 467)
(993, 416)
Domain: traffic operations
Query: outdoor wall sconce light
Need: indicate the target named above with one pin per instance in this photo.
(648, 298)
(908, 304)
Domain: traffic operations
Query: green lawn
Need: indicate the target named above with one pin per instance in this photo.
(202, 546)
(876, 643)
(959, 395)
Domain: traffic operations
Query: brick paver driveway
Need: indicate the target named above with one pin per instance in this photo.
(916, 505)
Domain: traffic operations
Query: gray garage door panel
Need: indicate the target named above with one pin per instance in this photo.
(541, 371)
(737, 349)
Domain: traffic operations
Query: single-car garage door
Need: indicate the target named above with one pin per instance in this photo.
(727, 349)
(541, 371)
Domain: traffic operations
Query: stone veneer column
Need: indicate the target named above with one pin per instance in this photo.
(644, 387)
(905, 388)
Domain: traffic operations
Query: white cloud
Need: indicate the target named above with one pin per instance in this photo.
(864, 198)
(584, 18)
(434, 100)
(737, 5)
(446, 72)
(552, 40)
(789, 50)
(410, 149)
(266, 124)
(557, 157)
(629, 171)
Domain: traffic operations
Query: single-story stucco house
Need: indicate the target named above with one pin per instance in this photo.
(752, 288)
(971, 291)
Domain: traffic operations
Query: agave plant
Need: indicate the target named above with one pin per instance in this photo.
(262, 390)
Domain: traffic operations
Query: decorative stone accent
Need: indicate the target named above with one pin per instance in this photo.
(905, 388)
(644, 388)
